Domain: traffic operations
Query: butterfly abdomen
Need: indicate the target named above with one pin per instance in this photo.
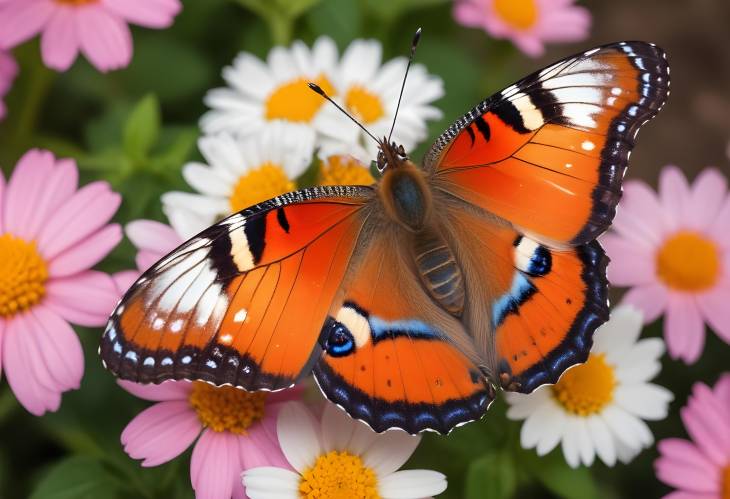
(439, 272)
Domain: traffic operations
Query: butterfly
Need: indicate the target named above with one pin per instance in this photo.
(414, 299)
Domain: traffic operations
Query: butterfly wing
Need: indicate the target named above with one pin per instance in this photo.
(549, 153)
(243, 302)
(392, 357)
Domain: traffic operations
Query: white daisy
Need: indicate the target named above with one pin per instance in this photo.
(340, 458)
(370, 92)
(261, 94)
(239, 173)
(598, 408)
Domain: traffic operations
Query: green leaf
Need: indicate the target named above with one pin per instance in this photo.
(390, 10)
(555, 475)
(492, 475)
(142, 128)
(78, 477)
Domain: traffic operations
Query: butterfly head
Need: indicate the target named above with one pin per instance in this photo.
(390, 155)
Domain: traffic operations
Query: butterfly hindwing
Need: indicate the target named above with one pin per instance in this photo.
(391, 357)
(243, 302)
(549, 153)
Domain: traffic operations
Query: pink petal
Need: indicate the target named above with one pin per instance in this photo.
(680, 494)
(683, 477)
(161, 432)
(640, 217)
(2, 330)
(722, 389)
(24, 191)
(215, 466)
(23, 19)
(86, 298)
(21, 368)
(630, 263)
(530, 44)
(715, 309)
(713, 415)
(261, 448)
(651, 299)
(60, 40)
(3, 190)
(87, 253)
(674, 195)
(685, 454)
(84, 213)
(168, 390)
(468, 14)
(123, 280)
(706, 199)
(60, 348)
(153, 236)
(565, 25)
(684, 330)
(703, 432)
(718, 227)
(58, 188)
(105, 39)
(148, 13)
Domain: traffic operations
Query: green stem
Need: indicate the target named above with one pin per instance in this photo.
(280, 28)
(36, 92)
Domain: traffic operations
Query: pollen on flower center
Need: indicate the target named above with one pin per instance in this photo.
(586, 389)
(295, 101)
(344, 170)
(339, 475)
(363, 104)
(688, 261)
(23, 275)
(520, 14)
(225, 408)
(261, 183)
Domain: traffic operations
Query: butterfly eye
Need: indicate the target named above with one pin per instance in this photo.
(382, 162)
(340, 341)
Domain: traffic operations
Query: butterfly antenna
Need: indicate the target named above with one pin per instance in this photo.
(414, 44)
(321, 92)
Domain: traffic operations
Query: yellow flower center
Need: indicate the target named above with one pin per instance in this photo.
(259, 184)
(725, 487)
(23, 275)
(225, 408)
(688, 261)
(586, 389)
(75, 2)
(344, 170)
(339, 475)
(295, 101)
(364, 105)
(520, 14)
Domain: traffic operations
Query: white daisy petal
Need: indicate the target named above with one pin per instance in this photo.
(271, 483)
(522, 405)
(585, 443)
(602, 438)
(411, 484)
(535, 425)
(336, 429)
(631, 430)
(390, 451)
(298, 435)
(570, 445)
(646, 400)
(620, 332)
(362, 438)
(554, 426)
(200, 178)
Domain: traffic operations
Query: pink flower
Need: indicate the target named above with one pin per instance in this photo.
(51, 234)
(527, 23)
(673, 249)
(700, 468)
(8, 72)
(232, 430)
(97, 28)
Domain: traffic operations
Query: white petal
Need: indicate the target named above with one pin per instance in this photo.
(603, 441)
(629, 429)
(522, 405)
(411, 484)
(585, 443)
(535, 425)
(337, 428)
(626, 453)
(646, 400)
(570, 445)
(298, 436)
(362, 439)
(620, 332)
(204, 180)
(271, 483)
(641, 363)
(390, 451)
(223, 152)
(555, 422)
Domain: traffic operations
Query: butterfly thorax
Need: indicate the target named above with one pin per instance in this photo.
(403, 189)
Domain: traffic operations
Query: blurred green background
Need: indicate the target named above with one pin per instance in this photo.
(136, 127)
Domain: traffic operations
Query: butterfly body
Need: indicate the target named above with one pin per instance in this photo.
(413, 299)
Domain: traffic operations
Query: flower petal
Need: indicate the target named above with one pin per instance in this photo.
(412, 484)
(641, 217)
(215, 466)
(147, 13)
(706, 199)
(21, 21)
(260, 448)
(684, 330)
(651, 299)
(630, 264)
(59, 346)
(86, 298)
(603, 442)
(674, 194)
(298, 436)
(161, 432)
(104, 38)
(271, 483)
(714, 307)
(645, 400)
(60, 40)
(336, 428)
(24, 191)
(87, 253)
(168, 390)
(390, 451)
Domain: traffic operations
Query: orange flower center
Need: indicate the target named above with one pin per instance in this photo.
(295, 101)
(259, 184)
(725, 486)
(586, 389)
(520, 14)
(344, 170)
(688, 261)
(364, 105)
(23, 275)
(75, 3)
(339, 475)
(225, 408)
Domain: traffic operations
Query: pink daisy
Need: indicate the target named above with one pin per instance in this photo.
(8, 72)
(232, 430)
(673, 250)
(527, 23)
(97, 28)
(51, 234)
(700, 468)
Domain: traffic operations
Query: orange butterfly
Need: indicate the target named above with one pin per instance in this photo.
(413, 298)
